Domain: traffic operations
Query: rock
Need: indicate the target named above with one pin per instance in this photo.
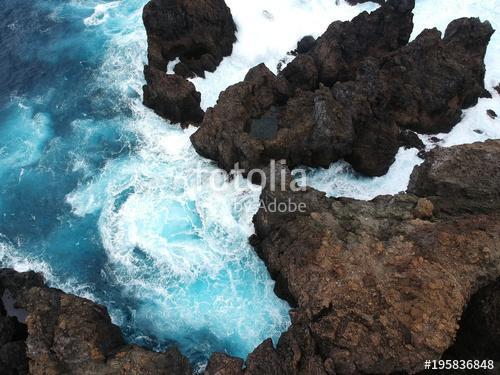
(303, 74)
(364, 118)
(497, 89)
(424, 209)
(366, 279)
(439, 77)
(491, 113)
(305, 44)
(461, 179)
(344, 45)
(198, 32)
(410, 139)
(172, 97)
(135, 360)
(222, 364)
(227, 134)
(452, 70)
(227, 129)
(69, 334)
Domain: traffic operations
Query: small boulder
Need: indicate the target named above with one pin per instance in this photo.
(198, 32)
(172, 97)
(306, 44)
(424, 209)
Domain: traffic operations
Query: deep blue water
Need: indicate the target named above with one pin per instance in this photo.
(90, 193)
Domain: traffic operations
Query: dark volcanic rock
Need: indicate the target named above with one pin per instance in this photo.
(410, 139)
(172, 97)
(367, 279)
(385, 89)
(460, 180)
(491, 113)
(198, 32)
(306, 44)
(422, 87)
(324, 132)
(344, 45)
(65, 334)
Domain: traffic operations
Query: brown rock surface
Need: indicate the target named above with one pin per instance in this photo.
(197, 32)
(65, 334)
(172, 97)
(460, 180)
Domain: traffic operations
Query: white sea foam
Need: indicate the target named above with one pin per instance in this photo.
(101, 13)
(341, 180)
(11, 258)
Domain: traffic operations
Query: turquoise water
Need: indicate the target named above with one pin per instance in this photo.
(100, 194)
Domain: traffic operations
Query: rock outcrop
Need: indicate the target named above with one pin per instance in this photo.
(381, 286)
(64, 334)
(460, 180)
(172, 97)
(197, 32)
(351, 95)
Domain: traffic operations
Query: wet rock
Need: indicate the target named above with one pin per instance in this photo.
(305, 44)
(198, 32)
(67, 334)
(230, 129)
(172, 97)
(410, 139)
(303, 74)
(366, 278)
(491, 113)
(461, 179)
(382, 92)
(222, 364)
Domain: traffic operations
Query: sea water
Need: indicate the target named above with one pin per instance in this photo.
(99, 194)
